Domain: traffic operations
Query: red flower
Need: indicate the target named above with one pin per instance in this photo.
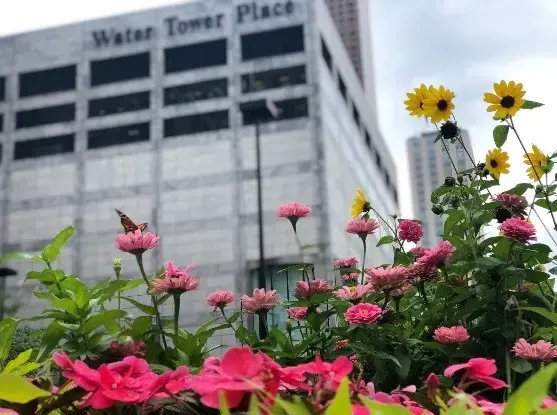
(330, 374)
(172, 381)
(409, 230)
(478, 369)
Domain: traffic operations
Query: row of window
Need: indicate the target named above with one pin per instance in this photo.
(327, 57)
(176, 59)
(181, 94)
(132, 133)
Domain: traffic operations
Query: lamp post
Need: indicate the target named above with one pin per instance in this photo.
(257, 112)
(4, 273)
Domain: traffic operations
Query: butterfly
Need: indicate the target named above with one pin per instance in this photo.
(128, 224)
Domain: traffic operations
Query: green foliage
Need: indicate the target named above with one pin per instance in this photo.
(15, 389)
(530, 395)
(500, 134)
(528, 105)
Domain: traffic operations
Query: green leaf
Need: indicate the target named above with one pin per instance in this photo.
(26, 368)
(500, 134)
(61, 303)
(52, 250)
(536, 276)
(21, 359)
(20, 255)
(51, 337)
(386, 356)
(452, 220)
(254, 405)
(8, 327)
(143, 307)
(520, 189)
(296, 408)
(542, 312)
(528, 105)
(142, 325)
(15, 389)
(488, 262)
(223, 405)
(385, 240)
(521, 365)
(379, 408)
(102, 319)
(341, 402)
(532, 392)
(78, 288)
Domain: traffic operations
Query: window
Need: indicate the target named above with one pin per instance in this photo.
(47, 81)
(326, 55)
(115, 136)
(196, 123)
(273, 42)
(342, 87)
(198, 55)
(356, 115)
(288, 109)
(45, 115)
(44, 147)
(275, 78)
(119, 104)
(107, 71)
(2, 88)
(1, 122)
(182, 94)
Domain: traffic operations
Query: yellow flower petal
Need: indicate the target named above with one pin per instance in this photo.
(491, 98)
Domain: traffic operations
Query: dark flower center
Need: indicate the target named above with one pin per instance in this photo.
(493, 163)
(507, 102)
(442, 105)
(421, 105)
(366, 207)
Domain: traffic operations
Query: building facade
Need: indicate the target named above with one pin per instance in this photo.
(429, 166)
(143, 112)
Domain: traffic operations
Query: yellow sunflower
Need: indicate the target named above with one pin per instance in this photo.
(539, 161)
(439, 104)
(507, 100)
(496, 162)
(415, 101)
(360, 205)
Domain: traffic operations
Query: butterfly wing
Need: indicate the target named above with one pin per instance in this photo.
(127, 223)
(142, 226)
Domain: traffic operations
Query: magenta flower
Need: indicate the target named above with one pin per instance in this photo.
(387, 278)
(173, 381)
(353, 276)
(418, 273)
(175, 280)
(410, 231)
(451, 335)
(418, 251)
(542, 350)
(261, 301)
(363, 313)
(305, 290)
(297, 313)
(479, 370)
(438, 256)
(220, 299)
(136, 242)
(519, 230)
(362, 227)
(293, 211)
(330, 374)
(515, 203)
(354, 293)
(350, 262)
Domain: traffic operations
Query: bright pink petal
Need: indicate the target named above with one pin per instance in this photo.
(241, 362)
(97, 400)
(491, 381)
(451, 370)
(233, 399)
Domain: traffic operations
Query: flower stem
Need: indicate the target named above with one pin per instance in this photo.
(422, 291)
(119, 298)
(228, 320)
(139, 258)
(511, 124)
(364, 259)
(508, 373)
(176, 317)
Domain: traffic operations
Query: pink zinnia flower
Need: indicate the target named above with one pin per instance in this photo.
(409, 230)
(387, 278)
(345, 262)
(515, 203)
(418, 251)
(261, 301)
(402, 290)
(363, 313)
(297, 313)
(353, 276)
(220, 299)
(451, 335)
(542, 350)
(305, 290)
(330, 374)
(438, 256)
(120, 350)
(175, 280)
(354, 293)
(362, 227)
(519, 230)
(293, 212)
(432, 381)
(478, 369)
(136, 242)
(418, 273)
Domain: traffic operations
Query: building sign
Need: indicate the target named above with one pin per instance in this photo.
(177, 26)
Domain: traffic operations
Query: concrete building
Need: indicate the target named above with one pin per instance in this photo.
(429, 166)
(142, 112)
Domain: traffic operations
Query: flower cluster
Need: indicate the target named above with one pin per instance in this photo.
(175, 280)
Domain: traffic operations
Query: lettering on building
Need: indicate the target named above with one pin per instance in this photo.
(114, 37)
(257, 11)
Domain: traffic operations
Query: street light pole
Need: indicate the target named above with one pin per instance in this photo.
(261, 280)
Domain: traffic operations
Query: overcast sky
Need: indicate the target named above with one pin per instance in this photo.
(464, 44)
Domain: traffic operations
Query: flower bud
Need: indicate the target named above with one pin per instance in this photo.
(449, 130)
(502, 214)
(450, 181)
(460, 179)
(539, 189)
(288, 324)
(432, 381)
(437, 209)
(117, 264)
